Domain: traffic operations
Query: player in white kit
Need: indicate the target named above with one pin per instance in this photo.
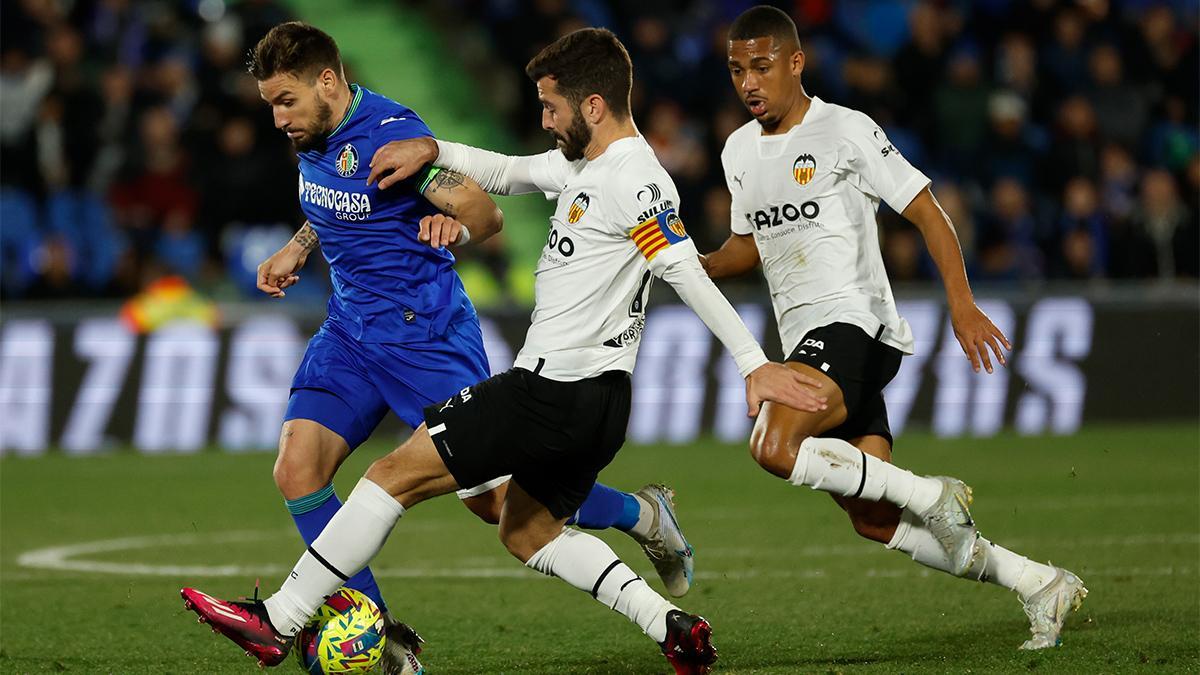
(559, 416)
(806, 178)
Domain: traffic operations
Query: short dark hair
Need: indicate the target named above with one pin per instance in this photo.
(764, 21)
(585, 62)
(294, 48)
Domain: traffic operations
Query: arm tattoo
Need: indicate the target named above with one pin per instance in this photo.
(447, 180)
(306, 237)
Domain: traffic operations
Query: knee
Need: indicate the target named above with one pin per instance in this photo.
(296, 477)
(403, 478)
(389, 473)
(520, 544)
(486, 506)
(775, 449)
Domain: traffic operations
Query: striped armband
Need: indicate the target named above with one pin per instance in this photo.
(658, 232)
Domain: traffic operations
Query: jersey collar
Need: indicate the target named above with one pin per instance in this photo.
(620, 147)
(350, 110)
(815, 109)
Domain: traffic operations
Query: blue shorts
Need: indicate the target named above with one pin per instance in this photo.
(348, 386)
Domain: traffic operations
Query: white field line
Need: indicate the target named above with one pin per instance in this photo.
(69, 559)
(1083, 502)
(868, 548)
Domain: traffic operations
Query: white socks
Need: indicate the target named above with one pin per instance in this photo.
(912, 538)
(1002, 567)
(353, 536)
(997, 565)
(587, 563)
(835, 466)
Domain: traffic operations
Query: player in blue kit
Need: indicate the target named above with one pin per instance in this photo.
(401, 333)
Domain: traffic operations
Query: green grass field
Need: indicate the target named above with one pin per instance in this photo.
(787, 585)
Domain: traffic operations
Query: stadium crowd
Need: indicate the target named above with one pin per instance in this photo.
(1061, 136)
(134, 145)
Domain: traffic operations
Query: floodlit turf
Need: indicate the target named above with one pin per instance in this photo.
(787, 585)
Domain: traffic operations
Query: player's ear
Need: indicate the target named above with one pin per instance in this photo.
(798, 62)
(328, 81)
(594, 107)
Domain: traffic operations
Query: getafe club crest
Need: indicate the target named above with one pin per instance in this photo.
(578, 206)
(803, 168)
(347, 161)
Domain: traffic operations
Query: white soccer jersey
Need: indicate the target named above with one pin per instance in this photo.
(809, 197)
(615, 227)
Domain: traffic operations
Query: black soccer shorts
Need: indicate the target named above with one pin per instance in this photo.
(553, 437)
(862, 366)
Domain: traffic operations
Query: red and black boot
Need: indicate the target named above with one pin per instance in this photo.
(243, 621)
(689, 646)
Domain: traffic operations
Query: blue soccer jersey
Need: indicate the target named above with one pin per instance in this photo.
(388, 287)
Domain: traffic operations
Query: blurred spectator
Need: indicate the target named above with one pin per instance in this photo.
(1065, 57)
(1013, 146)
(1074, 151)
(1008, 249)
(961, 106)
(1170, 225)
(1064, 138)
(108, 111)
(1118, 181)
(1083, 250)
(1120, 107)
(154, 202)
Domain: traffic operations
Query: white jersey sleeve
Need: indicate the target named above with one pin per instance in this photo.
(672, 256)
(648, 214)
(505, 174)
(738, 223)
(873, 165)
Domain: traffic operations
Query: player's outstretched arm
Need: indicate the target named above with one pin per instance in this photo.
(974, 330)
(765, 381)
(279, 271)
(472, 215)
(737, 256)
(495, 173)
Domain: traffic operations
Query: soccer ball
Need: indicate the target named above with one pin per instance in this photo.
(345, 636)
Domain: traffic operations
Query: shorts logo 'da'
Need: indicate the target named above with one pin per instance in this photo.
(347, 161)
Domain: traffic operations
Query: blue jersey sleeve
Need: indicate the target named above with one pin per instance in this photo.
(401, 125)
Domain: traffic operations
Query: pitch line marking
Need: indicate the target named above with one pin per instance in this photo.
(68, 559)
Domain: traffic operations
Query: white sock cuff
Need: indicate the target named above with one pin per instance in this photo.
(902, 530)
(800, 470)
(373, 498)
(543, 560)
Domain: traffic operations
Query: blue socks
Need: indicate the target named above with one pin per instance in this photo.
(605, 508)
(312, 513)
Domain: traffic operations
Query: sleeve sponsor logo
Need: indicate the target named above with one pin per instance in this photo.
(886, 147)
(650, 194)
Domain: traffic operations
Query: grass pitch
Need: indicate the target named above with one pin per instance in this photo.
(93, 552)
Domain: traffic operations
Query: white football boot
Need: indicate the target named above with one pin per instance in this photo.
(1048, 608)
(400, 649)
(949, 521)
(666, 546)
